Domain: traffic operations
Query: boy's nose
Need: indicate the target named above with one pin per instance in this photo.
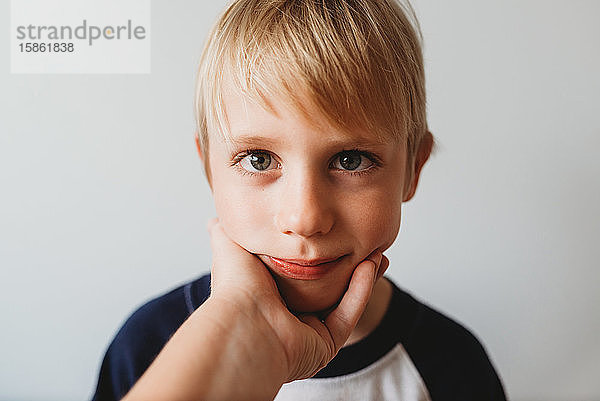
(305, 207)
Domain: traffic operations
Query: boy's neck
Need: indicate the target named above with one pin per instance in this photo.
(373, 313)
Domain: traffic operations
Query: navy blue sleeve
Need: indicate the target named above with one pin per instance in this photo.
(451, 360)
(142, 337)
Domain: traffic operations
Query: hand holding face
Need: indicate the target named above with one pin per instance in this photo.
(305, 342)
(243, 343)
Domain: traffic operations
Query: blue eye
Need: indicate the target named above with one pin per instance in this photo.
(257, 161)
(352, 160)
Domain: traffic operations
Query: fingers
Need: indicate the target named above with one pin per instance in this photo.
(220, 243)
(385, 263)
(211, 223)
(224, 249)
(235, 269)
(229, 260)
(342, 320)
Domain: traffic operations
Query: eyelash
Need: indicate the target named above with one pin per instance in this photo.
(372, 157)
(238, 158)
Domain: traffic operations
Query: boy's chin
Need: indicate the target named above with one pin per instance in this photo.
(309, 296)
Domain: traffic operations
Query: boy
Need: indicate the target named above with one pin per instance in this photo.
(312, 128)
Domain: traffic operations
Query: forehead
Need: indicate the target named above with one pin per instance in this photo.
(258, 115)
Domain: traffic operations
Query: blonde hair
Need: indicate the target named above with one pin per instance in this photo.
(359, 61)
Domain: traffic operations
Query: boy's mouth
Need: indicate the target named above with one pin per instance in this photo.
(300, 269)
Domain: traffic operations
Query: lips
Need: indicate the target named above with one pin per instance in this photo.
(300, 269)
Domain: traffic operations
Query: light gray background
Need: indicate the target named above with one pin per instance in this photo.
(103, 201)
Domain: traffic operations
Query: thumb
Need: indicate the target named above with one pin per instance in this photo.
(342, 320)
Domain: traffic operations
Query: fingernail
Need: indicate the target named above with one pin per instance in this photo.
(377, 258)
(211, 223)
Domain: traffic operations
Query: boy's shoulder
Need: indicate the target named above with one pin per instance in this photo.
(451, 360)
(152, 324)
(446, 358)
(143, 335)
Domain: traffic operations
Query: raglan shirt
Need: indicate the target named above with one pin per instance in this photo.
(414, 354)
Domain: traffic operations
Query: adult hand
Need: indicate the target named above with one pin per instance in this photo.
(243, 343)
(307, 342)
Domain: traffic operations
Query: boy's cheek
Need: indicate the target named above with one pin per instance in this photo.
(377, 226)
(364, 223)
(243, 226)
(384, 237)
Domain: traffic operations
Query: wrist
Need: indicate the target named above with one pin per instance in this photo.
(223, 351)
(251, 357)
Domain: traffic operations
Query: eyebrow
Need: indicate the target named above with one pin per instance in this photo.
(250, 139)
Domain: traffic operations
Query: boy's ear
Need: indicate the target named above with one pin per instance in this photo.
(423, 153)
(203, 159)
(197, 138)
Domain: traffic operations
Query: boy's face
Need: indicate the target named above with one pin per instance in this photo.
(320, 199)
